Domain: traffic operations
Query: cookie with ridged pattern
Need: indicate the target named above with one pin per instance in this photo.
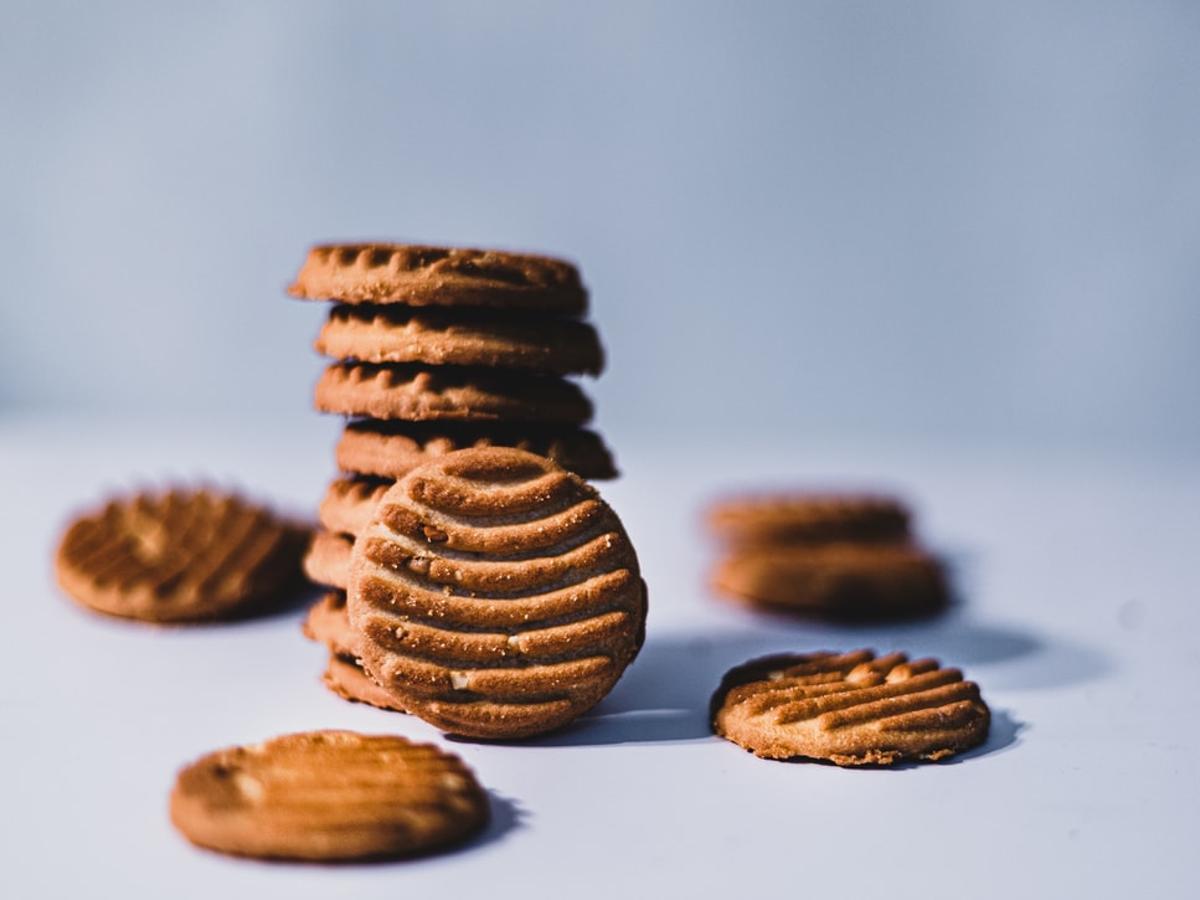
(420, 275)
(345, 677)
(810, 517)
(328, 624)
(178, 555)
(449, 393)
(327, 561)
(495, 595)
(391, 449)
(852, 709)
(328, 796)
(439, 337)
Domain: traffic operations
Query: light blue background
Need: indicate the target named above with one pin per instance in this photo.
(956, 221)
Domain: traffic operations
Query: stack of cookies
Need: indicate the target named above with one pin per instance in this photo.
(843, 556)
(436, 350)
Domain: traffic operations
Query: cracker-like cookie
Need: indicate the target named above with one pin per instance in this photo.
(349, 503)
(328, 559)
(328, 796)
(346, 678)
(495, 595)
(440, 337)
(328, 624)
(850, 708)
(836, 580)
(810, 517)
(418, 275)
(393, 449)
(419, 393)
(178, 555)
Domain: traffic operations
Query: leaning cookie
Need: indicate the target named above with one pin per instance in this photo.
(851, 709)
(810, 517)
(328, 796)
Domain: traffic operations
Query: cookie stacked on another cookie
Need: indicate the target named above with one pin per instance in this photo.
(844, 556)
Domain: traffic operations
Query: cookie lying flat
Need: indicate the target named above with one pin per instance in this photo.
(349, 503)
(393, 449)
(328, 559)
(177, 556)
(417, 393)
(328, 624)
(328, 796)
(397, 334)
(495, 595)
(851, 708)
(810, 518)
(419, 275)
(836, 580)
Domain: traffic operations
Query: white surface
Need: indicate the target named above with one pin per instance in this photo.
(1079, 621)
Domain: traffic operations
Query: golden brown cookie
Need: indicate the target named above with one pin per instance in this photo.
(417, 393)
(439, 337)
(810, 518)
(328, 796)
(328, 559)
(393, 449)
(850, 708)
(418, 275)
(178, 555)
(327, 623)
(836, 580)
(349, 503)
(346, 678)
(495, 595)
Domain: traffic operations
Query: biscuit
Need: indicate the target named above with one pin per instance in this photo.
(178, 555)
(398, 334)
(852, 709)
(419, 275)
(392, 449)
(328, 559)
(837, 580)
(346, 678)
(349, 503)
(417, 393)
(328, 796)
(495, 595)
(328, 624)
(810, 518)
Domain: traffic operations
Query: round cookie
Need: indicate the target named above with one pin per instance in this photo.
(328, 796)
(346, 678)
(852, 709)
(495, 595)
(328, 624)
(179, 555)
(392, 449)
(416, 393)
(419, 275)
(328, 559)
(810, 518)
(849, 581)
(349, 503)
(438, 337)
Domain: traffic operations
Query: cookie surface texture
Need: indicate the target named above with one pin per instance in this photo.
(177, 556)
(810, 518)
(327, 561)
(495, 595)
(328, 796)
(349, 503)
(418, 275)
(850, 708)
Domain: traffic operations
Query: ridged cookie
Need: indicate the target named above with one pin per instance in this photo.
(417, 393)
(393, 449)
(810, 518)
(419, 275)
(851, 708)
(439, 337)
(349, 503)
(328, 624)
(346, 678)
(328, 796)
(328, 559)
(495, 595)
(836, 580)
(177, 556)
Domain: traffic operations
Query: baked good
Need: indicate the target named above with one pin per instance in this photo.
(349, 503)
(328, 624)
(346, 678)
(328, 796)
(849, 708)
(178, 555)
(495, 595)
(810, 517)
(327, 561)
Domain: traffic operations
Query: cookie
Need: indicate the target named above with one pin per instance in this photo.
(349, 503)
(418, 275)
(328, 559)
(837, 580)
(179, 555)
(346, 678)
(328, 796)
(495, 595)
(328, 624)
(417, 393)
(439, 337)
(810, 518)
(852, 709)
(393, 449)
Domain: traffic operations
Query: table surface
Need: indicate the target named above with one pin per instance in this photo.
(1077, 615)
